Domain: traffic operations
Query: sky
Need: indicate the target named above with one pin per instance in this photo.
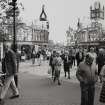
(60, 13)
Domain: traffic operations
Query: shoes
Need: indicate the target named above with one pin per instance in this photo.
(15, 96)
(1, 102)
(68, 77)
(59, 83)
(54, 79)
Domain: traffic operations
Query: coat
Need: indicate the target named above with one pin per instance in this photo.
(100, 61)
(68, 63)
(78, 58)
(102, 93)
(57, 61)
(87, 74)
(9, 63)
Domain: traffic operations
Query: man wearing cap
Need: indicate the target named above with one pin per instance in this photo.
(87, 75)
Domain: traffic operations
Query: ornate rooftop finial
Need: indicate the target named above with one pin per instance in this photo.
(78, 24)
(43, 16)
(43, 7)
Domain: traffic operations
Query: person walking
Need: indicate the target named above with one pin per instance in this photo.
(53, 55)
(57, 61)
(62, 55)
(102, 93)
(67, 64)
(93, 54)
(17, 64)
(10, 71)
(33, 55)
(73, 54)
(87, 75)
(79, 56)
(100, 61)
(39, 57)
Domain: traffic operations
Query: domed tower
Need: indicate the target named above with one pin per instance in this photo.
(43, 18)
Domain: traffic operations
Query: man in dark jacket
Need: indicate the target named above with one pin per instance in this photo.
(10, 70)
(79, 56)
(87, 75)
(67, 62)
(53, 55)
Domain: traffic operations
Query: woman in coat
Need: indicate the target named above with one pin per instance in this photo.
(57, 61)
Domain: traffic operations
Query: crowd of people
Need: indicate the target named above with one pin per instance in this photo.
(90, 69)
(90, 66)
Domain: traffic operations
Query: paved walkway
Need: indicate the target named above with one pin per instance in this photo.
(37, 88)
(43, 70)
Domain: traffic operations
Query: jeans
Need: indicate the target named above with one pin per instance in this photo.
(87, 94)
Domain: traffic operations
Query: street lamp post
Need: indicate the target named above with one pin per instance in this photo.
(14, 45)
(14, 28)
(14, 37)
(13, 3)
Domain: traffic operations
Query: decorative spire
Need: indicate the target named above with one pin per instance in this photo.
(78, 24)
(90, 7)
(43, 16)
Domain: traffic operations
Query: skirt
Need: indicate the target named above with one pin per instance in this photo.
(102, 94)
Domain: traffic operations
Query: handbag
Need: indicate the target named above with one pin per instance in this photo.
(49, 70)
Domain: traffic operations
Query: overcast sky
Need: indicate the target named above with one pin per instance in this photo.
(60, 13)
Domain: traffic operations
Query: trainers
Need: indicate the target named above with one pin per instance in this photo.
(15, 96)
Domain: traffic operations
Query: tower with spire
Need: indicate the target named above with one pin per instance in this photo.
(40, 29)
(43, 16)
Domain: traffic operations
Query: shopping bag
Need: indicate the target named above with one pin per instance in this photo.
(49, 70)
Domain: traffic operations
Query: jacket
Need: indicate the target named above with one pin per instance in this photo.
(10, 63)
(70, 60)
(57, 61)
(87, 74)
(78, 58)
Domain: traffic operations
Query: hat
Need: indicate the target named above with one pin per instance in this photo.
(89, 55)
(101, 50)
(91, 49)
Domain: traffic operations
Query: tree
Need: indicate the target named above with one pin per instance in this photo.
(6, 17)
